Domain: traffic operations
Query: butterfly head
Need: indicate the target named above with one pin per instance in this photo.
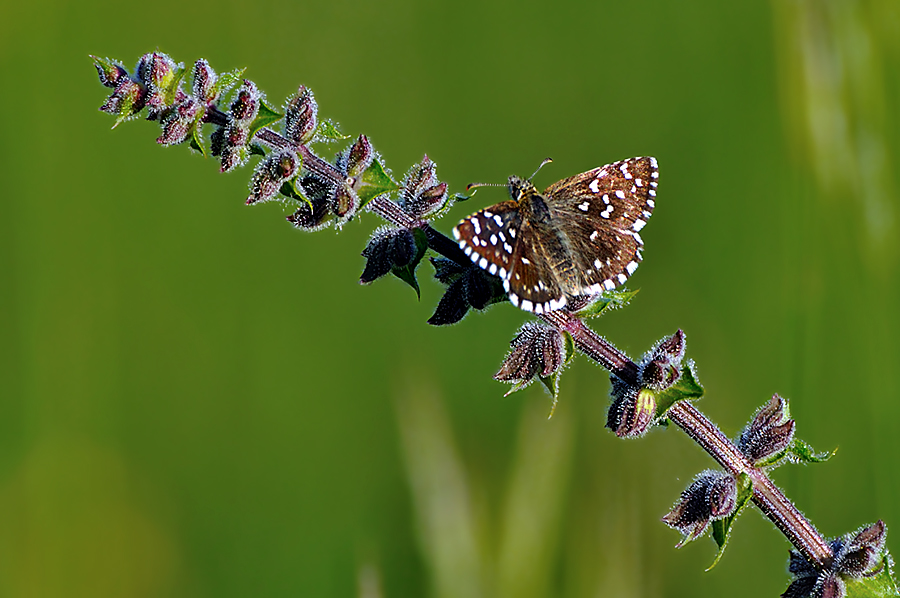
(518, 187)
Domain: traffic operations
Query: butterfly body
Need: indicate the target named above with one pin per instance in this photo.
(577, 238)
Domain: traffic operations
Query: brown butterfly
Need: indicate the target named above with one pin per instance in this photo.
(579, 237)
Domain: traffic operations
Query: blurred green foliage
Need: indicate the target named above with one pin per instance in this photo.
(197, 400)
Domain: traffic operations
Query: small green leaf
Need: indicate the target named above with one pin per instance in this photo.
(687, 387)
(264, 117)
(374, 182)
(328, 131)
(608, 301)
(226, 81)
(551, 382)
(408, 273)
(804, 453)
(197, 142)
(721, 528)
(257, 149)
(880, 585)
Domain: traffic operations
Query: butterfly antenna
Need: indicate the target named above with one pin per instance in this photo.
(471, 186)
(546, 161)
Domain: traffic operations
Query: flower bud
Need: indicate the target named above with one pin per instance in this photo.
(360, 158)
(109, 71)
(712, 495)
(300, 117)
(245, 105)
(204, 82)
(157, 72)
(128, 99)
(178, 122)
(660, 367)
(770, 432)
(270, 174)
(537, 350)
(632, 410)
(422, 194)
(863, 552)
(311, 216)
(230, 142)
(343, 203)
(387, 248)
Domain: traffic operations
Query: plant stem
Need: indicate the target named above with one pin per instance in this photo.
(766, 495)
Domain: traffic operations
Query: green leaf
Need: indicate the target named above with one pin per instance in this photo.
(256, 149)
(881, 585)
(608, 301)
(226, 81)
(804, 453)
(408, 273)
(264, 117)
(197, 141)
(687, 387)
(328, 131)
(374, 182)
(721, 528)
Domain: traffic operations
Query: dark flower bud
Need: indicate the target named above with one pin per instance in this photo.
(311, 216)
(660, 367)
(863, 552)
(178, 122)
(480, 289)
(387, 248)
(157, 71)
(270, 174)
(770, 432)
(452, 307)
(110, 72)
(422, 194)
(245, 105)
(300, 114)
(537, 350)
(447, 271)
(230, 142)
(712, 495)
(204, 82)
(632, 410)
(360, 158)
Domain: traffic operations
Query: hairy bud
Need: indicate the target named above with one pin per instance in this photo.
(660, 367)
(157, 72)
(712, 495)
(632, 410)
(204, 82)
(109, 71)
(360, 157)
(230, 142)
(537, 350)
(300, 117)
(467, 286)
(245, 105)
(863, 552)
(178, 122)
(387, 248)
(128, 98)
(422, 194)
(270, 174)
(770, 432)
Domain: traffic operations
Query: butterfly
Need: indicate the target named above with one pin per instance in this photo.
(577, 238)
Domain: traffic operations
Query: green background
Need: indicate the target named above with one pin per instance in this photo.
(198, 400)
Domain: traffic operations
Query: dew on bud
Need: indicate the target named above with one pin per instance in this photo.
(111, 72)
(270, 174)
(537, 350)
(660, 367)
(245, 105)
(360, 157)
(769, 433)
(300, 117)
(422, 194)
(712, 495)
(204, 86)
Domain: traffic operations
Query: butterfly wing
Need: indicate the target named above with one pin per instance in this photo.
(489, 237)
(601, 212)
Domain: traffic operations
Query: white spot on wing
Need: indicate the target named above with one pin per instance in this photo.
(609, 284)
(622, 278)
(631, 267)
(595, 187)
(483, 263)
(620, 194)
(527, 305)
(638, 225)
(498, 220)
(493, 269)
